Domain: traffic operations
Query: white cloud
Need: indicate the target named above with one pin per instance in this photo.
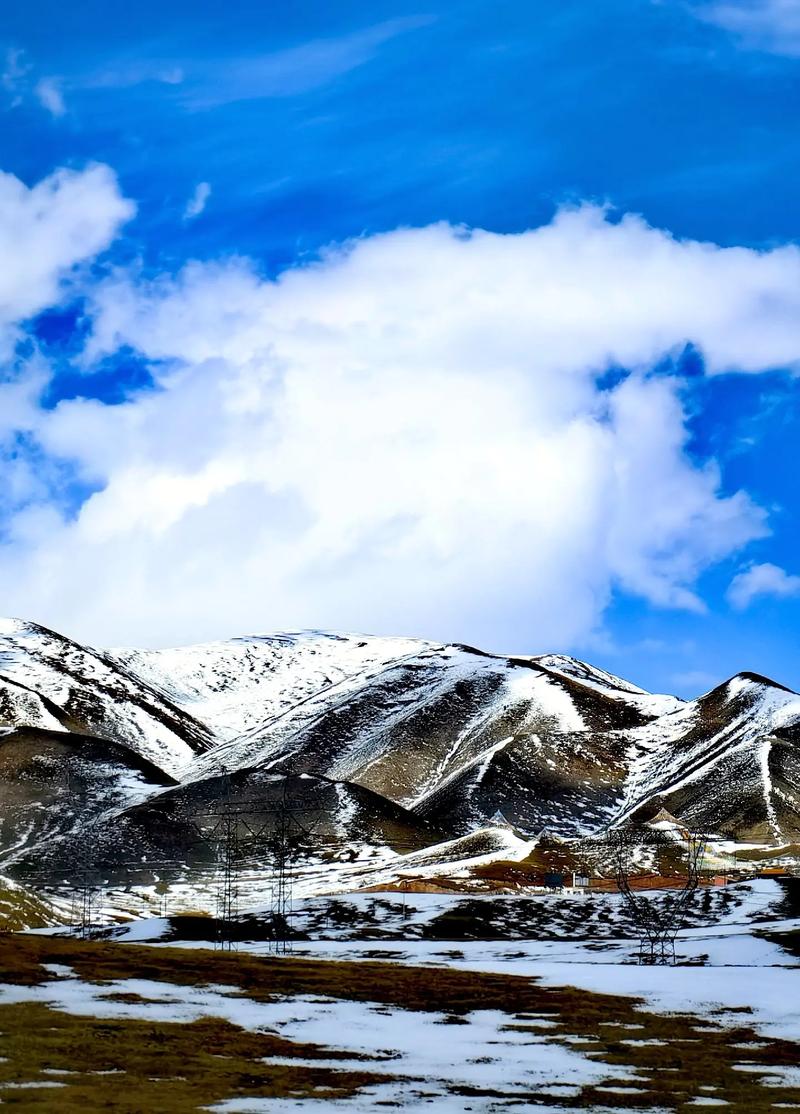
(197, 202)
(14, 75)
(761, 580)
(203, 83)
(18, 80)
(123, 74)
(772, 25)
(45, 231)
(407, 436)
(48, 91)
(294, 70)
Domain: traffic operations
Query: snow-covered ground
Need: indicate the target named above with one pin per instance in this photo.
(744, 973)
(440, 1060)
(486, 1060)
(724, 968)
(426, 1050)
(585, 919)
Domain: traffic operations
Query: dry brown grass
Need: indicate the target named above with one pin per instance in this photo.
(758, 854)
(181, 1067)
(149, 1066)
(20, 909)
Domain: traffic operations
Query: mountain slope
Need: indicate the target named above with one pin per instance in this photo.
(728, 761)
(240, 686)
(386, 742)
(404, 727)
(51, 782)
(49, 681)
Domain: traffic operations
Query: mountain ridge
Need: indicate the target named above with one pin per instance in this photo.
(391, 734)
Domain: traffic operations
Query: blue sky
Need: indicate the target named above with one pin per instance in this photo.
(322, 121)
(269, 131)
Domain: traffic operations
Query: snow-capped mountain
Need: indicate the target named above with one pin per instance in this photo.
(50, 682)
(384, 742)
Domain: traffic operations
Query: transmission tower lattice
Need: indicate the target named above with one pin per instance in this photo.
(657, 918)
(241, 833)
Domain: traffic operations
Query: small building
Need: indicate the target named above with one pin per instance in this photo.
(554, 880)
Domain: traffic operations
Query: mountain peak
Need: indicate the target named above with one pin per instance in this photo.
(759, 679)
(413, 739)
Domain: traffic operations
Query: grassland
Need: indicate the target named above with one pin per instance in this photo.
(183, 1067)
(20, 908)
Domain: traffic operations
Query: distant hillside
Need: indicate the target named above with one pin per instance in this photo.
(387, 744)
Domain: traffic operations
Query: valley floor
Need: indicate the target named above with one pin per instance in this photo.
(362, 1025)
